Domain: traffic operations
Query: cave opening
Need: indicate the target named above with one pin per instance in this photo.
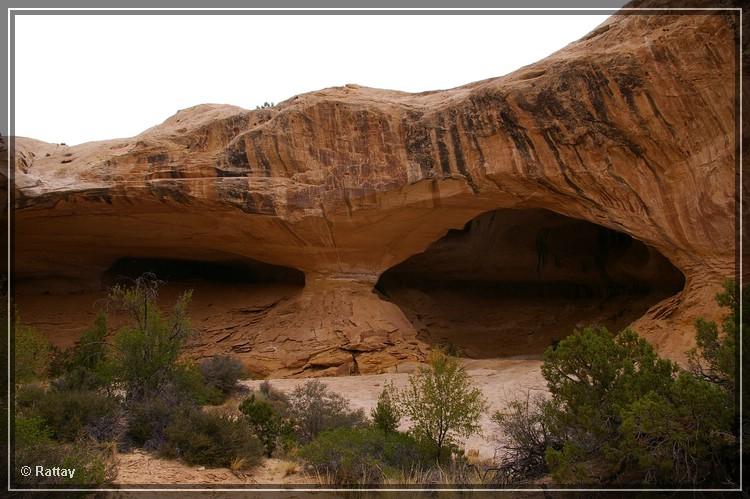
(512, 282)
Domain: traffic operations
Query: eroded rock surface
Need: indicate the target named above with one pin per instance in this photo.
(630, 128)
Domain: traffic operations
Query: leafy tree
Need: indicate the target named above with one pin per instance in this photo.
(441, 402)
(91, 348)
(386, 414)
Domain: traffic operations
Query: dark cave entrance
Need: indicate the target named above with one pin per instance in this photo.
(511, 282)
(244, 271)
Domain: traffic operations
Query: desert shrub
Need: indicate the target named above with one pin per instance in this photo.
(34, 446)
(147, 420)
(149, 415)
(362, 455)
(188, 381)
(524, 426)
(148, 348)
(211, 440)
(72, 414)
(31, 431)
(313, 408)
(32, 353)
(222, 372)
(441, 403)
(88, 364)
(27, 398)
(271, 427)
(276, 398)
(95, 466)
(386, 414)
(78, 379)
(262, 419)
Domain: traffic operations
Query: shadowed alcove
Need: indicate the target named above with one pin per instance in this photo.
(512, 282)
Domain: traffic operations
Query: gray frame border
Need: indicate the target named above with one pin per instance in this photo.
(522, 8)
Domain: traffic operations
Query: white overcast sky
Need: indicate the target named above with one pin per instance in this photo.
(82, 78)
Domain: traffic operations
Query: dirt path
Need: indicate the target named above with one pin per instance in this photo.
(142, 468)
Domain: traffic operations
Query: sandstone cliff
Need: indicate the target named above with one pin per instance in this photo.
(631, 128)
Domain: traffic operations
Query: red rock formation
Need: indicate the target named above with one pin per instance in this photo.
(630, 128)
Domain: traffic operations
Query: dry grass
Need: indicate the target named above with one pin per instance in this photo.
(479, 475)
(238, 464)
(287, 468)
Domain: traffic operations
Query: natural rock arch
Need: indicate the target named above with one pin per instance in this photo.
(630, 128)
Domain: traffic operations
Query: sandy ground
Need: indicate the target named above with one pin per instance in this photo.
(500, 381)
(142, 468)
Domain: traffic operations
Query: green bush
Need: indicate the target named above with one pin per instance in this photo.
(593, 377)
(276, 398)
(211, 440)
(31, 355)
(72, 414)
(362, 455)
(714, 357)
(31, 431)
(271, 427)
(313, 408)
(95, 467)
(148, 348)
(88, 365)
(34, 447)
(147, 419)
(188, 380)
(386, 414)
(680, 437)
(222, 372)
(28, 397)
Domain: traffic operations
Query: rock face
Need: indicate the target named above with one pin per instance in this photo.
(629, 130)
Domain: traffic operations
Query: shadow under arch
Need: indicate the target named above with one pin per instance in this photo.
(512, 282)
(238, 271)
